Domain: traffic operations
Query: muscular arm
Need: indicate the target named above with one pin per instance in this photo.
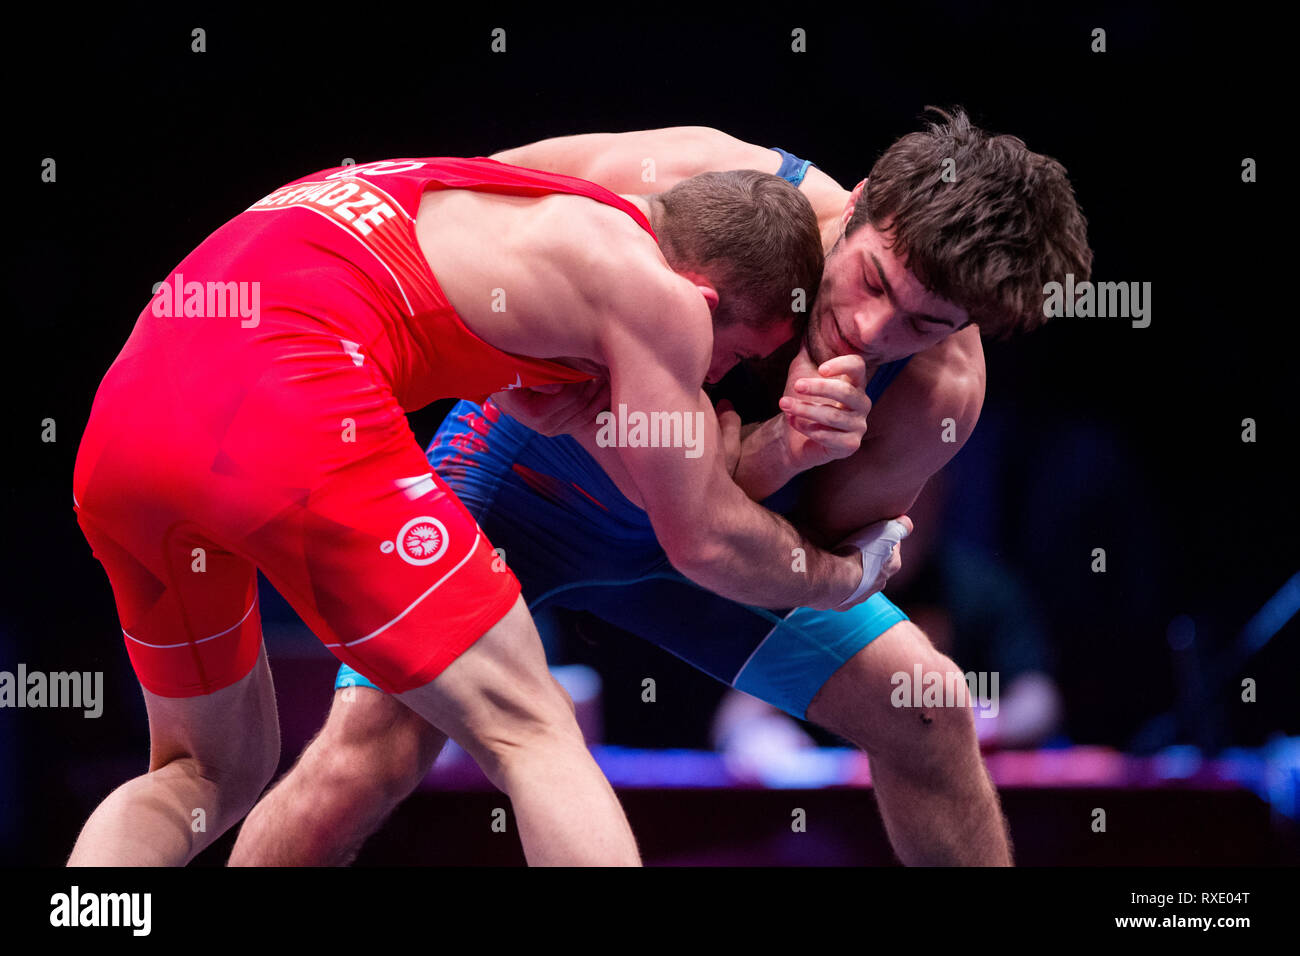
(710, 530)
(823, 418)
(653, 160)
(645, 161)
(906, 443)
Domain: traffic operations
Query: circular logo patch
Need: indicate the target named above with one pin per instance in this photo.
(422, 541)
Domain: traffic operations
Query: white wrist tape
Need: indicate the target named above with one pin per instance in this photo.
(876, 542)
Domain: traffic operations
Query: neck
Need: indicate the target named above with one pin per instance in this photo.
(650, 207)
(831, 231)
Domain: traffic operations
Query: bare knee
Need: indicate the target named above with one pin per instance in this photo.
(935, 730)
(872, 701)
(514, 728)
(254, 763)
(499, 701)
(238, 771)
(518, 721)
(370, 755)
(372, 745)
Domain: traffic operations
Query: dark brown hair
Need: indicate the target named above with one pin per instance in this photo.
(753, 234)
(990, 240)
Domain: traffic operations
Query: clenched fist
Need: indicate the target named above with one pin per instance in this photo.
(825, 409)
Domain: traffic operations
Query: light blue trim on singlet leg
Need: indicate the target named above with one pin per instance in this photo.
(347, 677)
(803, 651)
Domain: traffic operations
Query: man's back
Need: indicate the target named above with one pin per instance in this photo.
(545, 276)
(341, 245)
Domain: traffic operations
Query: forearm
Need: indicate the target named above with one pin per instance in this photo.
(723, 555)
(618, 161)
(765, 467)
(571, 155)
(748, 554)
(725, 544)
(823, 419)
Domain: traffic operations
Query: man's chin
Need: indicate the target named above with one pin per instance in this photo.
(816, 350)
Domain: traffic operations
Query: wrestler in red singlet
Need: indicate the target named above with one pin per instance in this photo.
(222, 442)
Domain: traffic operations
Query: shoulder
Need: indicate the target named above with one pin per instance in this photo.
(723, 150)
(611, 268)
(581, 245)
(657, 158)
(729, 152)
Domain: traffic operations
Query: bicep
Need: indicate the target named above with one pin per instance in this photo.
(644, 161)
(570, 155)
(666, 436)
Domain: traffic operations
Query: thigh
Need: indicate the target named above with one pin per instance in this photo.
(783, 658)
(187, 606)
(553, 518)
(388, 568)
(859, 701)
(143, 484)
(795, 661)
(502, 677)
(324, 487)
(231, 733)
(709, 632)
(368, 730)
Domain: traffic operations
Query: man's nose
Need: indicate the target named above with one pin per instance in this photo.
(864, 327)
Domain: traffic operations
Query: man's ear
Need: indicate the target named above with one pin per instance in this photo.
(854, 198)
(710, 295)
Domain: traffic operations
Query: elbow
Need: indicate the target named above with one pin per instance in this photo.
(686, 555)
(692, 551)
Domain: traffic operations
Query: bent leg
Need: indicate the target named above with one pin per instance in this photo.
(935, 795)
(369, 756)
(398, 581)
(501, 704)
(202, 776)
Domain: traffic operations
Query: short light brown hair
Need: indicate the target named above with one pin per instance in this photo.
(990, 240)
(753, 234)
